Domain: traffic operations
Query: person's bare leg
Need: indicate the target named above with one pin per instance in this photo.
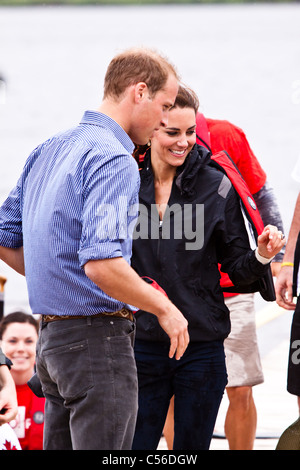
(241, 418)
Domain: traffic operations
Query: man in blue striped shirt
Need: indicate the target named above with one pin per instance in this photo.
(68, 225)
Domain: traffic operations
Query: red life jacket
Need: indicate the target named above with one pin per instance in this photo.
(202, 132)
(227, 165)
(224, 163)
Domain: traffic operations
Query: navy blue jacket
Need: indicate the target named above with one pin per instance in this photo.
(190, 276)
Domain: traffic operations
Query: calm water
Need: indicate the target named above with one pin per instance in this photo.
(244, 62)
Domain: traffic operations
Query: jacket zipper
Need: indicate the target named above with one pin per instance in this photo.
(159, 237)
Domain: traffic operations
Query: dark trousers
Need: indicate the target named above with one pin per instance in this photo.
(293, 381)
(197, 381)
(88, 375)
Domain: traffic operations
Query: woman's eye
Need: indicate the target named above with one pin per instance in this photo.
(171, 133)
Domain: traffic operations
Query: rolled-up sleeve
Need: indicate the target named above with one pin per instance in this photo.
(108, 193)
(11, 220)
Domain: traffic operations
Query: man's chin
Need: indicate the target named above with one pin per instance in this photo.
(141, 142)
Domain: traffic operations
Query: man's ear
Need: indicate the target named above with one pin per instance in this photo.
(140, 91)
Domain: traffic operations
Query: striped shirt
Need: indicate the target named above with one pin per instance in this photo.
(76, 200)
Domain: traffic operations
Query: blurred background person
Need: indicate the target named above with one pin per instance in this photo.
(19, 334)
(287, 290)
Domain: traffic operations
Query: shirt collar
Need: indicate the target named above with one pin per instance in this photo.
(102, 120)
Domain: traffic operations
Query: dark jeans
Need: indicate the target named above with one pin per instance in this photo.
(197, 381)
(88, 375)
(293, 380)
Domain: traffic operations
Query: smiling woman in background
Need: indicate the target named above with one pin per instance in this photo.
(19, 334)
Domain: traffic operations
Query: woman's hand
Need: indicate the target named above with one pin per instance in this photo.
(270, 242)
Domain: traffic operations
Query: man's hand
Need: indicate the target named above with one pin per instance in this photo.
(284, 282)
(284, 288)
(117, 279)
(270, 242)
(175, 325)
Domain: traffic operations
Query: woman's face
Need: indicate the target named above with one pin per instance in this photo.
(19, 345)
(172, 143)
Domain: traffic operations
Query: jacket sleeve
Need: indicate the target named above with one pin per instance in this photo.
(269, 210)
(233, 246)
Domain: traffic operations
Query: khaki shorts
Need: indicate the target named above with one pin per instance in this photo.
(241, 349)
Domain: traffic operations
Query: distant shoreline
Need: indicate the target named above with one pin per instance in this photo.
(136, 2)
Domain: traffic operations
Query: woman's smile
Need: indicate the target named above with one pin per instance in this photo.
(178, 153)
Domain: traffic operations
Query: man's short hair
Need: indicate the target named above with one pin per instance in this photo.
(137, 65)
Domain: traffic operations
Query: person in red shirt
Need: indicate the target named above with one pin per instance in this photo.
(242, 355)
(19, 333)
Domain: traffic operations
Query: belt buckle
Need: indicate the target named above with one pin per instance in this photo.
(124, 313)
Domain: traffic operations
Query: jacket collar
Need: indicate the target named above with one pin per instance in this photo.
(186, 177)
